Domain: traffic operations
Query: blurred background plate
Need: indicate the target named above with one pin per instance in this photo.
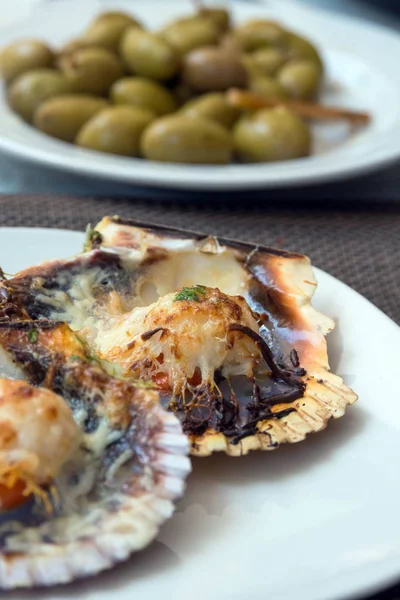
(362, 74)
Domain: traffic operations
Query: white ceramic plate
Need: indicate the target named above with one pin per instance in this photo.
(363, 73)
(314, 521)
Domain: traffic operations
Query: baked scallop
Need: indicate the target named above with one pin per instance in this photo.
(224, 331)
(90, 465)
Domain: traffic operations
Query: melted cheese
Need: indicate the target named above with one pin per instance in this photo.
(183, 339)
(79, 307)
(85, 312)
(195, 343)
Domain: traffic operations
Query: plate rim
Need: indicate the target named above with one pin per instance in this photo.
(327, 175)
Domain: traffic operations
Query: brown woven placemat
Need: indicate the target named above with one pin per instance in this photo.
(361, 247)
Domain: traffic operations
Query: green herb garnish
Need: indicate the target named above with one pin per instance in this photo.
(192, 293)
(33, 336)
(75, 357)
(93, 239)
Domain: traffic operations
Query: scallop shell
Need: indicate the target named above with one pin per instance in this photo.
(122, 486)
(277, 285)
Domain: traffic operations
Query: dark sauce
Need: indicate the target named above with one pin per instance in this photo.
(236, 408)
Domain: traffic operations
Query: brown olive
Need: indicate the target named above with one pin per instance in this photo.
(149, 55)
(30, 89)
(22, 56)
(188, 36)
(62, 117)
(268, 87)
(143, 93)
(91, 70)
(301, 79)
(260, 34)
(212, 106)
(116, 130)
(213, 69)
(192, 140)
(271, 135)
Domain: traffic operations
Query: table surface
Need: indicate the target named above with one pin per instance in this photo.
(21, 177)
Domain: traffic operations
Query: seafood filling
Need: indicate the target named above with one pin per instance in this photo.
(38, 435)
(181, 340)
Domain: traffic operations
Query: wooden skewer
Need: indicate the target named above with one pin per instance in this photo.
(309, 110)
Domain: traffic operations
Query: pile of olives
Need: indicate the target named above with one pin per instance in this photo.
(122, 89)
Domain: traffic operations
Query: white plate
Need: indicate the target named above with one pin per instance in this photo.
(314, 521)
(363, 73)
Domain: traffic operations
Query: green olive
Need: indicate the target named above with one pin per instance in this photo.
(144, 93)
(299, 47)
(91, 70)
(268, 87)
(22, 56)
(116, 130)
(214, 107)
(182, 139)
(260, 34)
(268, 60)
(119, 17)
(188, 36)
(182, 93)
(213, 69)
(220, 17)
(231, 43)
(181, 21)
(149, 55)
(30, 89)
(104, 34)
(69, 48)
(252, 67)
(301, 79)
(62, 117)
(271, 135)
